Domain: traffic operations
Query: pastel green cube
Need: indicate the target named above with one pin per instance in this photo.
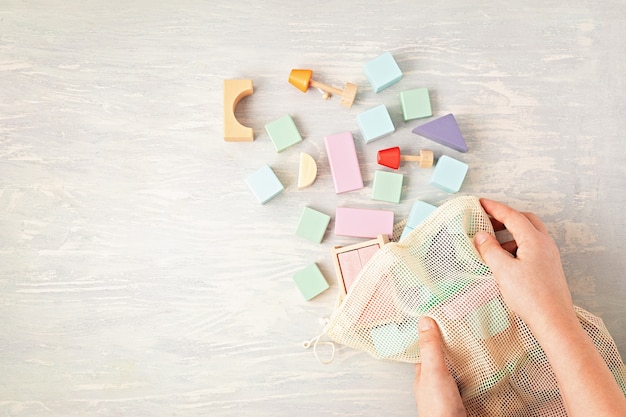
(312, 225)
(387, 186)
(393, 339)
(415, 104)
(310, 281)
(488, 320)
(283, 133)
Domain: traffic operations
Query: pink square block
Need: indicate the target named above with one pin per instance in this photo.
(363, 222)
(343, 161)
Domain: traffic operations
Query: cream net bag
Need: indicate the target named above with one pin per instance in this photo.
(498, 365)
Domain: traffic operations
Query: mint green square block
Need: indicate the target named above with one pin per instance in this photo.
(415, 104)
(310, 281)
(283, 133)
(387, 186)
(449, 174)
(488, 320)
(312, 225)
(375, 123)
(393, 339)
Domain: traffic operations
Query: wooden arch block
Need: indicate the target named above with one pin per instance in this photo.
(234, 91)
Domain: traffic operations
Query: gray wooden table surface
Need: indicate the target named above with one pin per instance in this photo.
(138, 274)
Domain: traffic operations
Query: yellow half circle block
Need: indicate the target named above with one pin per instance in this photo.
(308, 170)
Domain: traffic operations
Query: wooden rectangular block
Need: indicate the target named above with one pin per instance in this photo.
(234, 92)
(366, 223)
(349, 260)
(343, 161)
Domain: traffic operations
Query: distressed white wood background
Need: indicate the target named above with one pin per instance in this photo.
(138, 274)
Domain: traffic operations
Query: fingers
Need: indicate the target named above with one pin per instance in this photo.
(431, 348)
(513, 220)
(497, 258)
(536, 222)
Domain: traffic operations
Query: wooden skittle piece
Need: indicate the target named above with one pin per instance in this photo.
(302, 79)
(391, 158)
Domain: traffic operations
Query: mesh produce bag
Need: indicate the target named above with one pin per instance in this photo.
(498, 365)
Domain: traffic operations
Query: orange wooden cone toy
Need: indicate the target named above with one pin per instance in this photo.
(302, 79)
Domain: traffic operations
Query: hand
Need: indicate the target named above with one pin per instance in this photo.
(528, 269)
(530, 276)
(436, 393)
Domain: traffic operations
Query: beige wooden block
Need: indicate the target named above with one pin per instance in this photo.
(307, 172)
(234, 91)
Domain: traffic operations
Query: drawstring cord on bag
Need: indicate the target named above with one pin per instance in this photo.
(316, 341)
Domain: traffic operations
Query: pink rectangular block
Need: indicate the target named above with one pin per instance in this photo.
(366, 253)
(461, 305)
(350, 267)
(343, 161)
(363, 222)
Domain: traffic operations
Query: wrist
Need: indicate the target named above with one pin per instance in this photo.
(556, 331)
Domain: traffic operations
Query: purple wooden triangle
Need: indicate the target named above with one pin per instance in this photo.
(443, 130)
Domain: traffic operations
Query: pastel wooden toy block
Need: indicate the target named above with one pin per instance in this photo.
(391, 158)
(312, 225)
(283, 133)
(488, 320)
(415, 104)
(382, 72)
(310, 281)
(343, 161)
(234, 91)
(375, 123)
(367, 223)
(387, 186)
(307, 171)
(449, 174)
(302, 79)
(381, 308)
(445, 131)
(419, 212)
(471, 299)
(393, 339)
(264, 184)
(349, 260)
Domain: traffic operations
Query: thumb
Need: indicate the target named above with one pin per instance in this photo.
(490, 250)
(431, 346)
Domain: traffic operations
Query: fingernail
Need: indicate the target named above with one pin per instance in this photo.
(480, 238)
(425, 323)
